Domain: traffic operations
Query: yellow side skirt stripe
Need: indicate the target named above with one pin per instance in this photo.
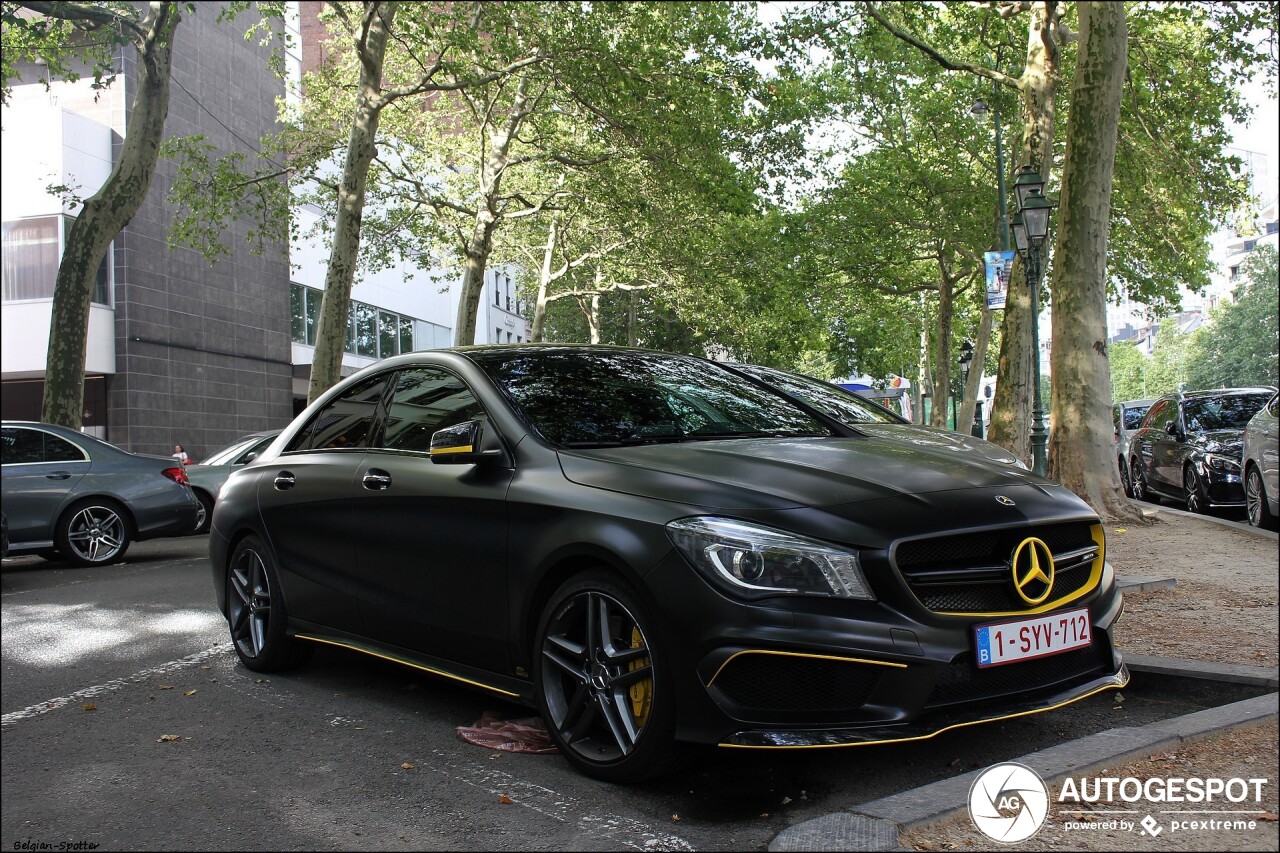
(404, 662)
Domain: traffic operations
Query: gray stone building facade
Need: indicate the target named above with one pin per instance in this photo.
(201, 351)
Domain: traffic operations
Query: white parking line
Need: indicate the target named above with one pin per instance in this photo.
(559, 807)
(116, 684)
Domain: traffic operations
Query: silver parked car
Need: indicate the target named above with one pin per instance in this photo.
(72, 495)
(1126, 417)
(207, 477)
(1262, 467)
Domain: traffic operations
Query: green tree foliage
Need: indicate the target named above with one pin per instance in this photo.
(1239, 346)
(1128, 372)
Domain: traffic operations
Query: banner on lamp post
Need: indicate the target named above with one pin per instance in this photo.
(999, 269)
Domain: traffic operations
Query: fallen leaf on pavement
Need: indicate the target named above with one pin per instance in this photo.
(1269, 816)
(505, 800)
(166, 686)
(168, 738)
(406, 766)
(189, 693)
(89, 707)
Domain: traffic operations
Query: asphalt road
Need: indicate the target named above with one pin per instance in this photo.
(100, 665)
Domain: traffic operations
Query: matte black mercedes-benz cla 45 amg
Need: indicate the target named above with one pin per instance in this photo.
(656, 551)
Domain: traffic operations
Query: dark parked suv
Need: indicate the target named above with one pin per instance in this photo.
(1188, 447)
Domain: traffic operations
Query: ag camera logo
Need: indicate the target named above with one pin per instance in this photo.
(1008, 803)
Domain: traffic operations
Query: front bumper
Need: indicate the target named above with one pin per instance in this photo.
(925, 727)
(810, 673)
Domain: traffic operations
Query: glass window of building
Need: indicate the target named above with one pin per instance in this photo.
(406, 335)
(388, 334)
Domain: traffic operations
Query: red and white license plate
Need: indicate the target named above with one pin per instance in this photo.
(1024, 639)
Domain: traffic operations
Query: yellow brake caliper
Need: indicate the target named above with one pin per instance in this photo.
(642, 691)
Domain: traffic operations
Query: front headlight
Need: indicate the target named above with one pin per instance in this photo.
(754, 560)
(1221, 463)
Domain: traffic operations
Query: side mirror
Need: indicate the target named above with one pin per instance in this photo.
(464, 444)
(1171, 427)
(248, 459)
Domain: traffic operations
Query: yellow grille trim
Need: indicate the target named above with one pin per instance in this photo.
(1095, 576)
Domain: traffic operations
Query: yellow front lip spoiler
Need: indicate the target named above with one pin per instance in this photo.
(905, 733)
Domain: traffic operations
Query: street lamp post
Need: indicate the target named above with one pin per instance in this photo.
(1030, 228)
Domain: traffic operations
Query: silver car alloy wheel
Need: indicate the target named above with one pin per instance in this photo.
(96, 534)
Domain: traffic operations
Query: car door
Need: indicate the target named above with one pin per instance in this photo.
(305, 496)
(40, 470)
(433, 558)
(1143, 443)
(1166, 449)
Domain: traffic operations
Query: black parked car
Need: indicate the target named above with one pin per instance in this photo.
(653, 550)
(1188, 447)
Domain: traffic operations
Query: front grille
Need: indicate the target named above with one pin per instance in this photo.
(969, 572)
(995, 597)
(963, 682)
(767, 682)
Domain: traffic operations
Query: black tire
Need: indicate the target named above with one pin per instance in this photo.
(256, 611)
(94, 532)
(204, 515)
(603, 685)
(1138, 482)
(1124, 478)
(1255, 500)
(1194, 497)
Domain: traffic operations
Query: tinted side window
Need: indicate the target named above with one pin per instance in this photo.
(347, 421)
(18, 445)
(60, 450)
(1155, 412)
(426, 399)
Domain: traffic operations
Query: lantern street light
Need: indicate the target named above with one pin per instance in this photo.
(1030, 227)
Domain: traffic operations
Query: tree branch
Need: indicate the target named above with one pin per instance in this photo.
(936, 55)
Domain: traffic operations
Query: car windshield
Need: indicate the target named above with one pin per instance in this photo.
(226, 454)
(829, 399)
(604, 398)
(1203, 414)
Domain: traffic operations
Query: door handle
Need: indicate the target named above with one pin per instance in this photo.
(376, 480)
(58, 475)
(284, 481)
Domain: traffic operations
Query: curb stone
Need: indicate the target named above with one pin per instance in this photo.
(868, 828)
(1144, 583)
(1242, 526)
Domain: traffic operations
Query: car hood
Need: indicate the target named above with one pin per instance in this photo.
(1226, 442)
(935, 437)
(781, 473)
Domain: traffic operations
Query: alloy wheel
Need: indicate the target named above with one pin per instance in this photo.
(1124, 479)
(1196, 500)
(1139, 480)
(96, 534)
(597, 677)
(1255, 497)
(250, 604)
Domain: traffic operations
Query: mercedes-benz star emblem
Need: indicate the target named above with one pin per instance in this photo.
(1032, 567)
(1003, 500)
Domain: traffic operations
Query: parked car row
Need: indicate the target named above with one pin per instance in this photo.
(1190, 448)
